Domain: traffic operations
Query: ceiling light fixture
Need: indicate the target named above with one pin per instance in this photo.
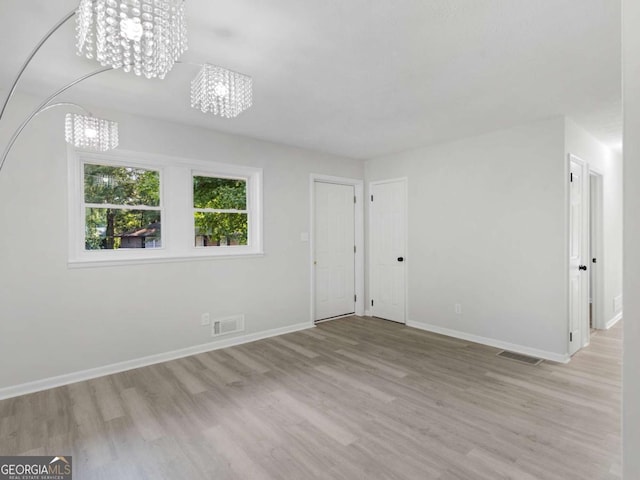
(145, 37)
(221, 91)
(46, 104)
(90, 133)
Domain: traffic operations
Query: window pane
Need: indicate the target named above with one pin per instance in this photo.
(220, 229)
(108, 229)
(121, 185)
(219, 193)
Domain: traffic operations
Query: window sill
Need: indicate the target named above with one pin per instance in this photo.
(73, 264)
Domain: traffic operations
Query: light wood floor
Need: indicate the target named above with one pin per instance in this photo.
(354, 398)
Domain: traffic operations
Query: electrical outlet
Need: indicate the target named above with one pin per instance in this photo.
(205, 319)
(458, 308)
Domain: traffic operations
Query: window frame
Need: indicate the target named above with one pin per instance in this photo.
(176, 209)
(84, 204)
(248, 210)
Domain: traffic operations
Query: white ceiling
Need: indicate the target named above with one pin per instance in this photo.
(360, 78)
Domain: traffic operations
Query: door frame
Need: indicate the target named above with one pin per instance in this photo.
(596, 219)
(358, 188)
(586, 333)
(370, 311)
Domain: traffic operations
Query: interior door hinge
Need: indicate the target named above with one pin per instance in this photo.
(355, 298)
(571, 177)
(354, 249)
(354, 199)
(372, 198)
(372, 303)
(571, 336)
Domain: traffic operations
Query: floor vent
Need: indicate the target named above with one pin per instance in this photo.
(226, 325)
(520, 358)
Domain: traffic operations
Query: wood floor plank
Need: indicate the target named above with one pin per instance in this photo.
(315, 418)
(238, 460)
(109, 402)
(353, 398)
(296, 348)
(377, 364)
(246, 360)
(142, 416)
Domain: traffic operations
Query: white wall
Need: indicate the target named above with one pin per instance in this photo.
(580, 143)
(631, 373)
(55, 320)
(487, 230)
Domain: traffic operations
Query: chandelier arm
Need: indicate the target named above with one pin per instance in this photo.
(12, 90)
(185, 62)
(45, 105)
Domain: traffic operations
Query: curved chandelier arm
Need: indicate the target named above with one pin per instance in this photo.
(184, 62)
(45, 105)
(30, 57)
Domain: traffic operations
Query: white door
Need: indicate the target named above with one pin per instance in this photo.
(334, 244)
(578, 256)
(388, 249)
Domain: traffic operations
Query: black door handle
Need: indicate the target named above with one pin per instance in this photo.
(401, 259)
(582, 267)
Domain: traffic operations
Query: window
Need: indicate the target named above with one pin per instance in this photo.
(220, 211)
(122, 207)
(128, 208)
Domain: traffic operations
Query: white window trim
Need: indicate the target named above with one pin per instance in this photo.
(176, 201)
(249, 210)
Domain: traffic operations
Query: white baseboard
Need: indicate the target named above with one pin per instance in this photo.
(613, 321)
(532, 352)
(334, 318)
(66, 379)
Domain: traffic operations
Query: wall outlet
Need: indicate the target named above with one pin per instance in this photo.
(205, 319)
(457, 308)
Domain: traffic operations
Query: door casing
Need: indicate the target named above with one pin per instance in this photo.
(596, 227)
(358, 187)
(583, 321)
(371, 310)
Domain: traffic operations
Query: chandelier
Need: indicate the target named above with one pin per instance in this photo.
(221, 92)
(90, 133)
(145, 37)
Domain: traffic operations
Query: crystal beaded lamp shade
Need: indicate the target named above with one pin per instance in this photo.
(145, 37)
(221, 92)
(91, 133)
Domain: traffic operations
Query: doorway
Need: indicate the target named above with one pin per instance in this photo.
(586, 253)
(596, 251)
(388, 241)
(578, 254)
(337, 247)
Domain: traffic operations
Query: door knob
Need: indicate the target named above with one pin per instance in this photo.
(582, 267)
(401, 259)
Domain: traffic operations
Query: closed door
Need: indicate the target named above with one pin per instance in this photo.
(334, 244)
(578, 256)
(388, 245)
